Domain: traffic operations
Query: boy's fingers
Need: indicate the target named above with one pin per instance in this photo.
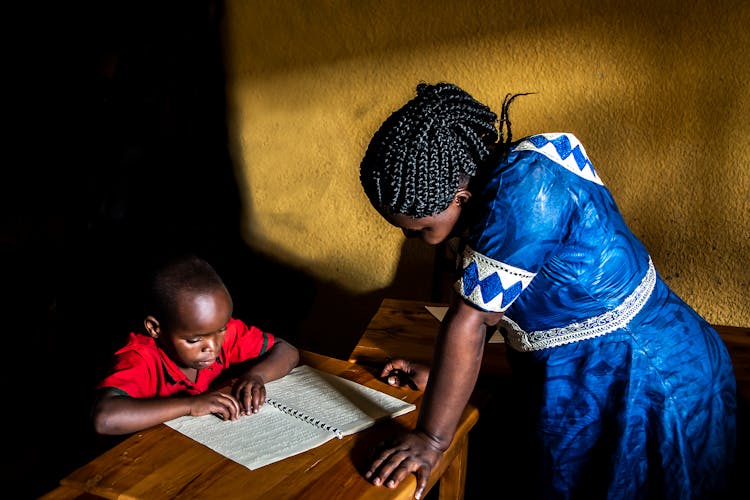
(232, 405)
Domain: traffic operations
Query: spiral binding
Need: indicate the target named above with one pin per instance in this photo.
(303, 416)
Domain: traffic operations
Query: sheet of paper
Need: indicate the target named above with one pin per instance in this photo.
(439, 313)
(254, 440)
(341, 403)
(326, 400)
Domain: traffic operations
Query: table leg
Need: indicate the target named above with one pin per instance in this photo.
(453, 480)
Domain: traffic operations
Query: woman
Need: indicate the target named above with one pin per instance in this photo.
(630, 393)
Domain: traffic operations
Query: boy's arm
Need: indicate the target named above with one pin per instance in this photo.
(250, 390)
(115, 413)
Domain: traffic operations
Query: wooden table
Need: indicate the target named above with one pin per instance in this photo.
(737, 340)
(405, 328)
(161, 463)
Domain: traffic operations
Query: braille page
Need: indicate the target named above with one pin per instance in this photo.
(254, 440)
(317, 407)
(345, 405)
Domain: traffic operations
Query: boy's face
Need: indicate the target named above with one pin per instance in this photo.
(196, 340)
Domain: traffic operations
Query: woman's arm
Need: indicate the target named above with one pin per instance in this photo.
(456, 363)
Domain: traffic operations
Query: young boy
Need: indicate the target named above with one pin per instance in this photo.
(189, 339)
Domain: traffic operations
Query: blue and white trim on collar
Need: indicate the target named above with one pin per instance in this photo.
(563, 149)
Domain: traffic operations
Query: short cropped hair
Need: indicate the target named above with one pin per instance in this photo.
(416, 161)
(186, 273)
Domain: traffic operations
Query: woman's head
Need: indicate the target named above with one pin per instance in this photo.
(425, 151)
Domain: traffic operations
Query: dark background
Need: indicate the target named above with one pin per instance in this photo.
(118, 152)
(135, 93)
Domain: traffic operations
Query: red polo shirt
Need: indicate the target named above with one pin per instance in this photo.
(143, 370)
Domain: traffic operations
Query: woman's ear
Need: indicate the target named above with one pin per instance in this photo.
(152, 326)
(462, 197)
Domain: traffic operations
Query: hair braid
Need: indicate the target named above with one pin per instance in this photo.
(416, 160)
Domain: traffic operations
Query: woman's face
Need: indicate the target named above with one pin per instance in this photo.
(435, 228)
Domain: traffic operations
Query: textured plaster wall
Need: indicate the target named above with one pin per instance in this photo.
(657, 91)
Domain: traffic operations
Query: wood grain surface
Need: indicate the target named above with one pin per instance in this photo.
(161, 463)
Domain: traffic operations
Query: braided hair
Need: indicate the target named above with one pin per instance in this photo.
(422, 153)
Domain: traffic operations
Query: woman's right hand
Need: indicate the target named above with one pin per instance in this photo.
(414, 452)
(399, 372)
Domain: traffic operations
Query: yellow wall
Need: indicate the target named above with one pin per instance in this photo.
(657, 91)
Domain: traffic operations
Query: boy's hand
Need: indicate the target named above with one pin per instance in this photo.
(250, 391)
(220, 404)
(400, 372)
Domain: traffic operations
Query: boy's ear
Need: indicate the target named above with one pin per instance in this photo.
(152, 326)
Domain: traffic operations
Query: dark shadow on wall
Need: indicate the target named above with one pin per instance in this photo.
(156, 179)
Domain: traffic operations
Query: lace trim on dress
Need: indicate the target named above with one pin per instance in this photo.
(565, 150)
(490, 284)
(597, 326)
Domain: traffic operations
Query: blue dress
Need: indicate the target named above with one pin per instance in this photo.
(632, 393)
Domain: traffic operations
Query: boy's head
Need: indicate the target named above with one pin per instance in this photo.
(188, 308)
